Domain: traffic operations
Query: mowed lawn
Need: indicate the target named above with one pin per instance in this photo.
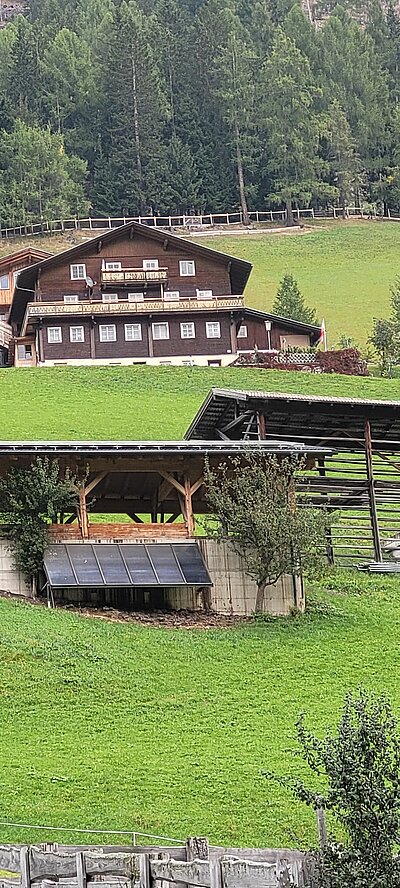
(167, 731)
(345, 271)
(143, 403)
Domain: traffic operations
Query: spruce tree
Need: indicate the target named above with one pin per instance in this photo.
(289, 302)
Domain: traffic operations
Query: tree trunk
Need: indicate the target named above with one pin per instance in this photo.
(289, 213)
(136, 124)
(260, 597)
(242, 189)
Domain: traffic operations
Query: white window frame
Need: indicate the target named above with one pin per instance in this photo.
(71, 298)
(77, 275)
(150, 265)
(242, 332)
(3, 278)
(113, 266)
(209, 330)
(81, 337)
(153, 331)
(106, 338)
(138, 328)
(188, 330)
(135, 297)
(24, 357)
(204, 294)
(172, 295)
(184, 270)
(109, 297)
(54, 331)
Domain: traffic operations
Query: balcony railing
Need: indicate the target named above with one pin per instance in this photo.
(153, 306)
(135, 276)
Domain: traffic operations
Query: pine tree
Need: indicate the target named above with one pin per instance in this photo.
(289, 302)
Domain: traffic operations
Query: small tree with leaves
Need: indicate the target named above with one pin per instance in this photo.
(385, 336)
(253, 508)
(30, 498)
(289, 302)
(359, 766)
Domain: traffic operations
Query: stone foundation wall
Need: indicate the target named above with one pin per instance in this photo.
(12, 582)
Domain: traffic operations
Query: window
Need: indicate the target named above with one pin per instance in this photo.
(24, 352)
(214, 363)
(188, 331)
(54, 335)
(4, 282)
(133, 332)
(107, 333)
(242, 332)
(150, 264)
(187, 268)
(78, 272)
(213, 330)
(171, 295)
(135, 297)
(70, 298)
(113, 266)
(204, 294)
(76, 334)
(109, 297)
(160, 331)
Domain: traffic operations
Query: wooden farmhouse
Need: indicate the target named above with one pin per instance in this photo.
(135, 295)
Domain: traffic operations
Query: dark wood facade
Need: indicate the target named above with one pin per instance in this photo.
(137, 295)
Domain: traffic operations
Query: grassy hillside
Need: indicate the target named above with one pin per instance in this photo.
(113, 725)
(142, 402)
(345, 270)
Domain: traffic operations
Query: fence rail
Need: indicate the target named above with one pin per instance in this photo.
(194, 865)
(185, 222)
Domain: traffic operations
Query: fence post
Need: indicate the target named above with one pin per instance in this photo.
(24, 864)
(144, 871)
(321, 824)
(215, 870)
(81, 870)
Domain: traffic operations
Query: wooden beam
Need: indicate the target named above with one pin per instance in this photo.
(196, 486)
(172, 518)
(165, 244)
(99, 246)
(135, 518)
(371, 492)
(92, 484)
(172, 481)
(132, 233)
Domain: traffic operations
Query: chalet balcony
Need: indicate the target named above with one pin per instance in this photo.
(148, 306)
(135, 276)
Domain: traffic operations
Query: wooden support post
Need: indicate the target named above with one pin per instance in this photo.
(234, 344)
(321, 824)
(84, 523)
(371, 492)
(328, 533)
(189, 508)
(261, 427)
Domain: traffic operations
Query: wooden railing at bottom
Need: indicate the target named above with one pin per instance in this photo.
(196, 864)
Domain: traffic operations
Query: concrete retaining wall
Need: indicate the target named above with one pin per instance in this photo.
(233, 591)
(12, 581)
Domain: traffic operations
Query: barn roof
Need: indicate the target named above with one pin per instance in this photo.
(314, 419)
(152, 449)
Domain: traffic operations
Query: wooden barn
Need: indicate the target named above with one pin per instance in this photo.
(359, 482)
(137, 295)
(156, 557)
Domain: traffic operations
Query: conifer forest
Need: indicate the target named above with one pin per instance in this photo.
(137, 106)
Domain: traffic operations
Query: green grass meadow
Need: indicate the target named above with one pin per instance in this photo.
(143, 403)
(166, 731)
(345, 271)
(113, 725)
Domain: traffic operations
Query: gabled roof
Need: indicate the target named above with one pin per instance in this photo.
(239, 269)
(30, 255)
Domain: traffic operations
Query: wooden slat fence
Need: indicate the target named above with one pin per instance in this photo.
(54, 866)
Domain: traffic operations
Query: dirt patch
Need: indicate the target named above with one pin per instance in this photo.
(165, 619)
